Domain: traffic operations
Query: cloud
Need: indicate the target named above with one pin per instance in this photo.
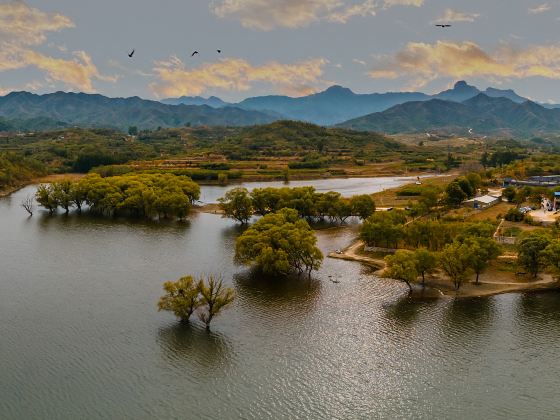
(450, 15)
(22, 28)
(266, 15)
(28, 25)
(391, 3)
(545, 7)
(234, 74)
(422, 62)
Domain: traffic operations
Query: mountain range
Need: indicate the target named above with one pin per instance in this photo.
(87, 110)
(464, 109)
(338, 104)
(481, 114)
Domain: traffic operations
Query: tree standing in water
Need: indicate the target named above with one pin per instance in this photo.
(214, 297)
(182, 297)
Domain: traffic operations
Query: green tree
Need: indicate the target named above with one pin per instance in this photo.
(133, 130)
(46, 197)
(63, 194)
(509, 193)
(530, 251)
(363, 206)
(181, 297)
(214, 297)
(482, 251)
(426, 263)
(279, 243)
(454, 194)
(552, 255)
(237, 204)
(455, 260)
(402, 266)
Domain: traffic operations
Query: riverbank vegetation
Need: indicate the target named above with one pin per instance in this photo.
(284, 149)
(279, 243)
(240, 204)
(208, 297)
(136, 195)
(16, 169)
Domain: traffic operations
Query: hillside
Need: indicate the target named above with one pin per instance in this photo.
(483, 114)
(100, 111)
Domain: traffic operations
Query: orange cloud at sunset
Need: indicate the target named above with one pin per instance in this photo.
(234, 74)
(426, 62)
(22, 28)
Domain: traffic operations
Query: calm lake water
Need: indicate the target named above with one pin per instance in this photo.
(345, 186)
(80, 336)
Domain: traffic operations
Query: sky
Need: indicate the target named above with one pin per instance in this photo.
(287, 47)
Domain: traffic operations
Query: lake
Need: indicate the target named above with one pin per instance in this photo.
(81, 336)
(347, 187)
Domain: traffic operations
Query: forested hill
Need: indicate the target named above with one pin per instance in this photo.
(87, 110)
(479, 115)
(285, 137)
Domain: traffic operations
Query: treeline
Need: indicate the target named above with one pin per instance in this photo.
(16, 169)
(391, 230)
(240, 204)
(137, 195)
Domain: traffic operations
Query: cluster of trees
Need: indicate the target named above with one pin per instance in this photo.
(391, 230)
(462, 188)
(500, 158)
(15, 169)
(280, 243)
(241, 205)
(538, 250)
(459, 259)
(205, 296)
(138, 195)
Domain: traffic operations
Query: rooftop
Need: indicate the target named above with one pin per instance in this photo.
(486, 199)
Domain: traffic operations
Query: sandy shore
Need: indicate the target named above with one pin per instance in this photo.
(492, 281)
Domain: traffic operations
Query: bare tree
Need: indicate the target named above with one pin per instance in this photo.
(28, 203)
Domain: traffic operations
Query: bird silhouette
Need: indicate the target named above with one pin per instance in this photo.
(443, 25)
(194, 53)
(131, 54)
(219, 51)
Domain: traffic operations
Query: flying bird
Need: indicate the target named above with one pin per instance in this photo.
(131, 54)
(443, 25)
(219, 51)
(194, 53)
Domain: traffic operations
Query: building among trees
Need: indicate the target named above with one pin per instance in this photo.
(482, 202)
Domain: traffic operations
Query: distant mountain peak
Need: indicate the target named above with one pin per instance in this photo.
(461, 84)
(338, 90)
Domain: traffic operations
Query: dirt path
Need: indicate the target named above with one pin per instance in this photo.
(440, 283)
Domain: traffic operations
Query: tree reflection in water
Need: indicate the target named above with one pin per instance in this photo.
(207, 352)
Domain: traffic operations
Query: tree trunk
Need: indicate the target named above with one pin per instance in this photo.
(423, 280)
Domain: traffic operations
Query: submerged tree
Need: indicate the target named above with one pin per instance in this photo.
(182, 297)
(46, 197)
(237, 204)
(28, 203)
(279, 243)
(214, 297)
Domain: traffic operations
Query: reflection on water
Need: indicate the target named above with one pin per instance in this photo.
(295, 295)
(81, 336)
(192, 344)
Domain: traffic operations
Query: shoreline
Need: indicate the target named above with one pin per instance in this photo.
(444, 287)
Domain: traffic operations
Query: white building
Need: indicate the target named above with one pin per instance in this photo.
(482, 202)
